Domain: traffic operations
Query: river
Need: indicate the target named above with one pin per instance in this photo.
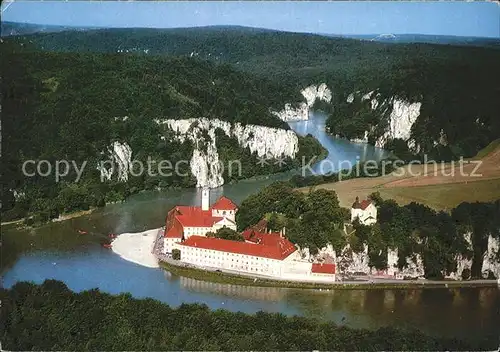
(55, 251)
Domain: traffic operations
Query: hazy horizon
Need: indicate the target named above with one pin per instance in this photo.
(261, 28)
(471, 19)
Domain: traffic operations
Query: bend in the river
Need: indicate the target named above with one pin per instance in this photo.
(59, 253)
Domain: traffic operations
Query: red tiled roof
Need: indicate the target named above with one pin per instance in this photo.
(362, 205)
(195, 217)
(261, 226)
(175, 230)
(281, 248)
(267, 239)
(181, 216)
(224, 203)
(248, 234)
(190, 216)
(321, 268)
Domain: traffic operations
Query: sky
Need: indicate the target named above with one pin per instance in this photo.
(481, 19)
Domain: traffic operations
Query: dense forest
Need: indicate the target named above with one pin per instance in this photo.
(456, 85)
(459, 113)
(88, 81)
(73, 106)
(51, 317)
(315, 219)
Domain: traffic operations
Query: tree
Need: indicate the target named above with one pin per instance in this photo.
(466, 274)
(376, 198)
(52, 317)
(227, 234)
(176, 254)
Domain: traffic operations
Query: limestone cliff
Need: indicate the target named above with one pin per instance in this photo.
(205, 164)
(116, 161)
(301, 111)
(349, 262)
(463, 262)
(491, 259)
(396, 118)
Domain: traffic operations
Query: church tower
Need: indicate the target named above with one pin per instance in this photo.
(205, 199)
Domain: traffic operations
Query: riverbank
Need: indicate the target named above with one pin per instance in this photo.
(61, 217)
(145, 248)
(73, 215)
(137, 247)
(234, 279)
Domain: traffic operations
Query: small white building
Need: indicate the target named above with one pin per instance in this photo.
(365, 211)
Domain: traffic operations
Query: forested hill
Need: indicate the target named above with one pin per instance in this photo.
(77, 106)
(264, 52)
(425, 38)
(253, 49)
(457, 86)
(17, 28)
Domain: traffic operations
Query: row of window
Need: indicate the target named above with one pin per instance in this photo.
(194, 230)
(233, 266)
(217, 254)
(211, 259)
(223, 212)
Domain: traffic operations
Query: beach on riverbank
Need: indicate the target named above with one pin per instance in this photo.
(140, 248)
(137, 247)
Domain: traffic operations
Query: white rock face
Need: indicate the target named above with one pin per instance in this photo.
(414, 267)
(361, 140)
(491, 259)
(360, 261)
(205, 164)
(392, 261)
(325, 252)
(321, 92)
(367, 95)
(351, 97)
(119, 162)
(462, 262)
(311, 94)
(290, 113)
(351, 262)
(401, 120)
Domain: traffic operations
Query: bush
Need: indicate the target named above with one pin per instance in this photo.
(176, 254)
(490, 275)
(29, 221)
(15, 213)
